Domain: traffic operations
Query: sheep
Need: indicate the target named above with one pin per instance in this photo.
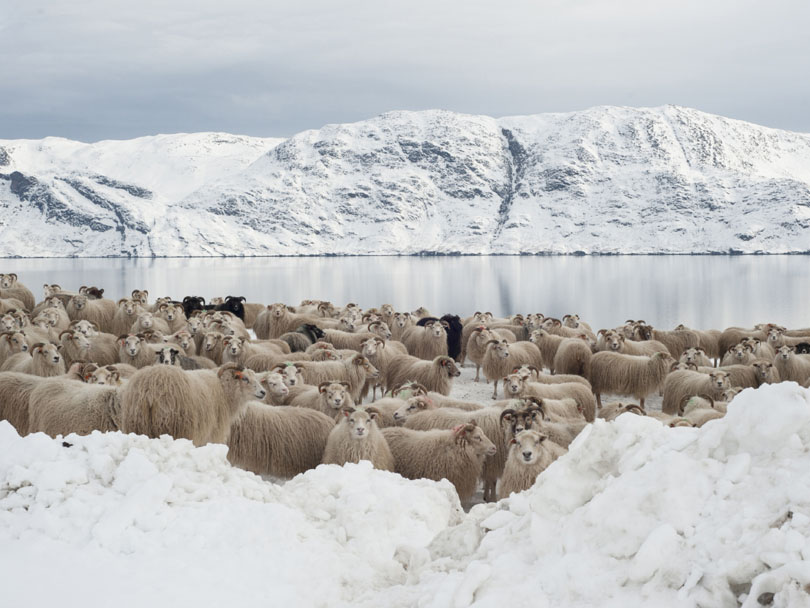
(355, 371)
(733, 335)
(573, 357)
(477, 343)
(532, 374)
(453, 328)
(676, 341)
(519, 418)
(146, 320)
(426, 342)
(530, 454)
(59, 318)
(173, 315)
(346, 340)
(279, 441)
(12, 342)
(212, 346)
(501, 358)
(789, 365)
(548, 345)
(632, 375)
(101, 312)
(564, 409)
(357, 437)
(760, 349)
(112, 375)
(328, 397)
(73, 346)
(61, 407)
(290, 372)
(616, 342)
(699, 411)
(238, 350)
(766, 372)
(303, 337)
(10, 287)
(777, 337)
(278, 319)
(708, 340)
(197, 405)
(695, 355)
(401, 322)
(686, 383)
(169, 354)
(555, 327)
(184, 340)
(436, 375)
(739, 354)
(611, 411)
(8, 304)
(381, 353)
(517, 385)
(135, 351)
(42, 360)
(454, 454)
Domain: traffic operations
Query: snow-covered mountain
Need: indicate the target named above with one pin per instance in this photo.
(605, 180)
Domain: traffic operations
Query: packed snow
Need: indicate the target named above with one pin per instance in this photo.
(636, 514)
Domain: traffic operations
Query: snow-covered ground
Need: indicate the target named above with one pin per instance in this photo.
(635, 514)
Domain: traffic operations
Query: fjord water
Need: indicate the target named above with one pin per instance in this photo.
(700, 291)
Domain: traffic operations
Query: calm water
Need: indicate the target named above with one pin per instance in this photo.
(701, 291)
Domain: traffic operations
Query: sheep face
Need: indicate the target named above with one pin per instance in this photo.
(402, 319)
(381, 329)
(241, 385)
(79, 302)
(517, 419)
(183, 339)
(501, 349)
(775, 336)
(129, 306)
(740, 352)
(614, 341)
(8, 280)
(132, 344)
(233, 345)
(48, 352)
(387, 311)
(472, 436)
(419, 403)
(720, 380)
(571, 321)
(79, 341)
(194, 325)
(514, 384)
(273, 382)
(528, 444)
(85, 327)
(367, 367)
(107, 375)
(785, 352)
(9, 323)
(335, 394)
(765, 370)
(167, 355)
(278, 310)
(16, 342)
(146, 320)
(359, 421)
(140, 295)
(212, 338)
(167, 312)
(371, 347)
(449, 366)
(347, 324)
(436, 331)
(692, 355)
(291, 374)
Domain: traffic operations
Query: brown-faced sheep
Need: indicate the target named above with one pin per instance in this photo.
(454, 454)
(357, 437)
(530, 454)
(197, 405)
(686, 383)
(790, 366)
(279, 441)
(436, 375)
(426, 342)
(632, 375)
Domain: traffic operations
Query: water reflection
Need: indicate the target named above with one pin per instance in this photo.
(701, 291)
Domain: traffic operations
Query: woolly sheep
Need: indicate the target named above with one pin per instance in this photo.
(355, 371)
(238, 350)
(477, 343)
(42, 360)
(173, 315)
(381, 352)
(790, 366)
(708, 340)
(328, 398)
(426, 342)
(146, 320)
(279, 441)
(401, 322)
(11, 343)
(169, 354)
(357, 437)
(739, 354)
(276, 320)
(197, 405)
(61, 407)
(532, 374)
(530, 454)
(501, 358)
(573, 357)
(676, 341)
(766, 372)
(303, 337)
(100, 312)
(454, 454)
(696, 356)
(109, 375)
(633, 375)
(686, 383)
(436, 375)
(135, 351)
(516, 385)
(10, 287)
(548, 345)
(613, 410)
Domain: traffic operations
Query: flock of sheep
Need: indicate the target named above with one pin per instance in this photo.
(305, 390)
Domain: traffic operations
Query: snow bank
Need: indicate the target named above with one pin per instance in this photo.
(635, 515)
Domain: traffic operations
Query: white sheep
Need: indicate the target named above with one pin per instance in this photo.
(146, 320)
(633, 375)
(357, 437)
(682, 384)
(42, 360)
(63, 406)
(792, 366)
(454, 454)
(135, 351)
(517, 385)
(573, 357)
(436, 375)
(502, 357)
(530, 454)
(381, 352)
(476, 344)
(126, 313)
(328, 398)
(426, 342)
(100, 312)
(11, 343)
(355, 371)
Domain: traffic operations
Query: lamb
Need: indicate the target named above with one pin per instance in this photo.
(357, 437)
(791, 366)
(686, 383)
(502, 357)
(573, 357)
(133, 350)
(426, 342)
(632, 375)
(61, 407)
(42, 360)
(454, 454)
(516, 385)
(530, 454)
(355, 371)
(199, 405)
(279, 441)
(146, 320)
(101, 312)
(328, 397)
(478, 340)
(436, 375)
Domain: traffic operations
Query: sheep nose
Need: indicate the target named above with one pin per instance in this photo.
(527, 455)
(261, 393)
(292, 381)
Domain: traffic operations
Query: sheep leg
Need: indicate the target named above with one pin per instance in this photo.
(489, 491)
(477, 372)
(641, 403)
(495, 390)
(598, 400)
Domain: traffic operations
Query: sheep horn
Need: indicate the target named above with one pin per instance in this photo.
(508, 413)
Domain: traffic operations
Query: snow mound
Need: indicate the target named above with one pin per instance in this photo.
(636, 514)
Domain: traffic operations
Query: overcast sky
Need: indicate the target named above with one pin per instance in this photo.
(100, 69)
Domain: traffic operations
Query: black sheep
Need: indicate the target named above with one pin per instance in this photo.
(452, 325)
(192, 303)
(803, 348)
(233, 304)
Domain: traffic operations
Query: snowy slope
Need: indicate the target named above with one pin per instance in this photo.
(636, 514)
(604, 180)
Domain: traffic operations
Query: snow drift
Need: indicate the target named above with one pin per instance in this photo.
(603, 180)
(635, 515)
